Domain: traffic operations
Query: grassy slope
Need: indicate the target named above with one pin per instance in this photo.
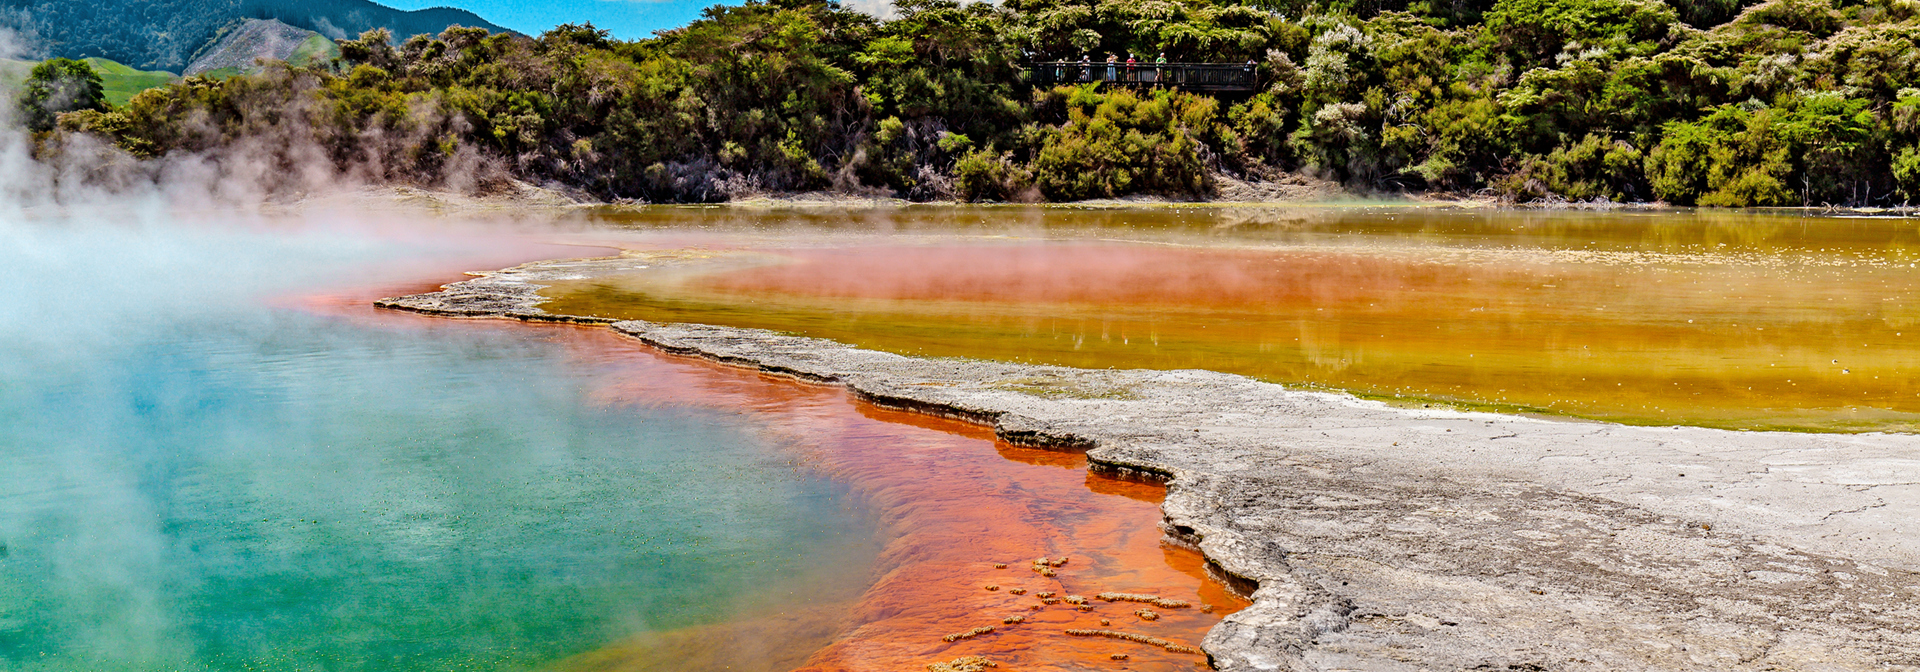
(317, 49)
(121, 82)
(14, 72)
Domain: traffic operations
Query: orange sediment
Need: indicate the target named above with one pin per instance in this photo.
(1009, 503)
(968, 512)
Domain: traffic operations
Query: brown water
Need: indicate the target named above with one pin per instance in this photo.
(1738, 320)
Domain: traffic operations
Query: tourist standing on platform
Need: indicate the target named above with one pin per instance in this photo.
(1133, 74)
(1159, 65)
(1113, 65)
(1086, 67)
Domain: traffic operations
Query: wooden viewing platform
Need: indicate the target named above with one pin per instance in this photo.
(1189, 76)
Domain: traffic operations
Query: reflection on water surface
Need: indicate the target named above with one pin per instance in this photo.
(1738, 320)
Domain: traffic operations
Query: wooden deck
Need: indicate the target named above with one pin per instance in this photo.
(1189, 76)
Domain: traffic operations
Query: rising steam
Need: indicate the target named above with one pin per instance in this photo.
(275, 157)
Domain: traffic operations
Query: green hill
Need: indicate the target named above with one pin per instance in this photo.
(120, 81)
(165, 34)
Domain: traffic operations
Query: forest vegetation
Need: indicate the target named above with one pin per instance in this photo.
(1703, 102)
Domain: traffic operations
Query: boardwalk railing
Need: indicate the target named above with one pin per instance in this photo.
(1191, 76)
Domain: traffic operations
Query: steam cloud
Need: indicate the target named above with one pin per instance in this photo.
(275, 158)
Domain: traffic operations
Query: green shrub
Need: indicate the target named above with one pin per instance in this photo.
(1594, 168)
(981, 175)
(1116, 143)
(56, 87)
(1747, 155)
(1537, 30)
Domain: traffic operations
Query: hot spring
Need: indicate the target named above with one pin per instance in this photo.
(220, 457)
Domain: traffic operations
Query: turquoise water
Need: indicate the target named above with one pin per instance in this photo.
(198, 476)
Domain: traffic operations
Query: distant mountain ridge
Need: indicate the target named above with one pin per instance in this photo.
(164, 34)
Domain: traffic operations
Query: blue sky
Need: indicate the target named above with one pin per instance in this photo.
(628, 19)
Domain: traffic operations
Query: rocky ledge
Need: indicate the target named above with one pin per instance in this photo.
(1373, 537)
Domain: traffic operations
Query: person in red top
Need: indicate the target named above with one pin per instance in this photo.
(1131, 62)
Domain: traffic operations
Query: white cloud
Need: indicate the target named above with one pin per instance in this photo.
(880, 9)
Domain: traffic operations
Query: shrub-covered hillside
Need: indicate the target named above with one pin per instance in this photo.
(1786, 102)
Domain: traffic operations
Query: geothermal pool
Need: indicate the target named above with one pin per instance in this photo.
(1740, 320)
(219, 457)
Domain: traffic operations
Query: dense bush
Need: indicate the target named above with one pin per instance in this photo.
(1751, 154)
(1712, 102)
(1115, 143)
(56, 87)
(1594, 169)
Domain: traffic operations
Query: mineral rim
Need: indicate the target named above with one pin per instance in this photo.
(1373, 537)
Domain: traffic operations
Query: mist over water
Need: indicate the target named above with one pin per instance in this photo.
(201, 476)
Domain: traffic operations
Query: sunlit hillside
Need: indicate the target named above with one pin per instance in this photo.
(120, 81)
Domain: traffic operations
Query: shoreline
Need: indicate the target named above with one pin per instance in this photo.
(1491, 540)
(521, 196)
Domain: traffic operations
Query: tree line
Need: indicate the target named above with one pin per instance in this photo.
(1784, 102)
